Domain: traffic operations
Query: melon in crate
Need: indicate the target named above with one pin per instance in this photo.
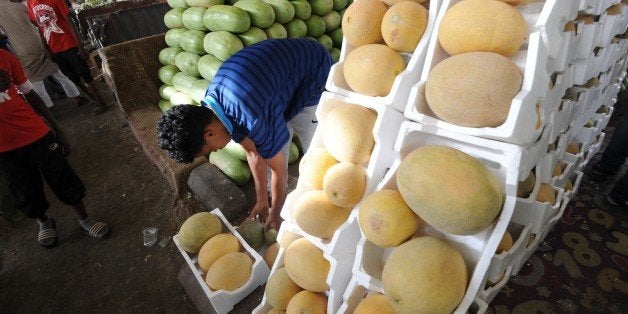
(361, 22)
(348, 133)
(280, 289)
(403, 25)
(345, 183)
(376, 303)
(229, 272)
(308, 302)
(306, 265)
(217, 247)
(197, 229)
(317, 215)
(371, 69)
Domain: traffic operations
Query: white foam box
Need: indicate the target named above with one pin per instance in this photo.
(603, 118)
(586, 135)
(551, 23)
(501, 159)
(586, 36)
(519, 127)
(555, 219)
(606, 30)
(500, 263)
(385, 132)
(622, 21)
(566, 53)
(222, 300)
(560, 82)
(568, 167)
(595, 148)
(562, 117)
(574, 158)
(586, 159)
(576, 180)
(532, 243)
(533, 153)
(400, 89)
(337, 279)
(595, 7)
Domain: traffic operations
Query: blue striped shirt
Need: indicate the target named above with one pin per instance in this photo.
(263, 86)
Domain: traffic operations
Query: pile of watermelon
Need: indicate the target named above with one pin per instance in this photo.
(204, 33)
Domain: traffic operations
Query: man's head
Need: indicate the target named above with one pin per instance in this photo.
(188, 131)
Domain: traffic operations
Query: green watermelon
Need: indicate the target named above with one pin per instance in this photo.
(340, 4)
(167, 55)
(166, 91)
(324, 40)
(336, 37)
(252, 230)
(183, 82)
(284, 10)
(293, 156)
(342, 12)
(276, 31)
(235, 150)
(315, 26)
(321, 7)
(192, 41)
(332, 21)
(302, 9)
(198, 90)
(236, 170)
(164, 105)
(172, 18)
(204, 3)
(270, 236)
(296, 28)
(187, 62)
(335, 54)
(192, 18)
(227, 18)
(173, 36)
(181, 98)
(166, 73)
(208, 65)
(261, 13)
(222, 44)
(178, 4)
(252, 36)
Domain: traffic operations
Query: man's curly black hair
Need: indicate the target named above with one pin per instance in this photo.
(180, 131)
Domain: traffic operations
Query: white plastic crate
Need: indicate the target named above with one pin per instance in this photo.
(575, 159)
(586, 36)
(560, 83)
(622, 21)
(519, 127)
(562, 116)
(568, 168)
(566, 52)
(502, 159)
(552, 20)
(490, 291)
(606, 29)
(586, 135)
(337, 279)
(576, 180)
(501, 262)
(595, 7)
(355, 293)
(398, 95)
(588, 155)
(532, 154)
(604, 118)
(222, 300)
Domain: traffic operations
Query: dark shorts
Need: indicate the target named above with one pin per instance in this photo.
(73, 65)
(24, 168)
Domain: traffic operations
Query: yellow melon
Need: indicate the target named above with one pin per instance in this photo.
(449, 189)
(280, 289)
(526, 186)
(546, 194)
(287, 239)
(425, 275)
(348, 133)
(557, 170)
(275, 311)
(505, 243)
(403, 25)
(217, 247)
(345, 183)
(568, 185)
(362, 21)
(390, 3)
(386, 220)
(376, 303)
(197, 229)
(573, 148)
(518, 2)
(229, 272)
(313, 166)
(482, 25)
(307, 302)
(316, 215)
(271, 254)
(615, 9)
(306, 265)
(570, 27)
(586, 19)
(371, 69)
(473, 89)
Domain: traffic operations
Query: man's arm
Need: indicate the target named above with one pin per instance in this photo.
(278, 184)
(258, 170)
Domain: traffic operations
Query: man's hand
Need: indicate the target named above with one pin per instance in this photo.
(260, 209)
(273, 222)
(5, 80)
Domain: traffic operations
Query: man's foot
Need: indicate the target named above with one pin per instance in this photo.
(94, 229)
(47, 236)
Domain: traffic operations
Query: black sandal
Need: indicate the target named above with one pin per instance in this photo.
(47, 236)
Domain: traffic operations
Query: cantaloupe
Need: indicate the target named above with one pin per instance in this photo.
(271, 254)
(275, 311)
(287, 238)
(361, 22)
(197, 229)
(482, 25)
(546, 194)
(348, 133)
(568, 185)
(344, 183)
(505, 243)
(316, 215)
(306, 265)
(313, 166)
(570, 27)
(473, 89)
(449, 189)
(280, 289)
(385, 218)
(217, 247)
(526, 186)
(376, 303)
(390, 3)
(558, 169)
(229, 272)
(573, 148)
(307, 302)
(371, 69)
(403, 25)
(425, 275)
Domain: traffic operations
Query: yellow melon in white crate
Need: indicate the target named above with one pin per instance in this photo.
(371, 69)
(307, 302)
(313, 166)
(229, 272)
(306, 266)
(403, 25)
(197, 229)
(344, 183)
(217, 247)
(315, 214)
(280, 289)
(348, 133)
(362, 21)
(376, 303)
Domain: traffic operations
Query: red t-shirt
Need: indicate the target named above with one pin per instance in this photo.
(51, 16)
(19, 124)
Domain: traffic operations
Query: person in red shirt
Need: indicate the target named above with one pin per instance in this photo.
(32, 146)
(52, 19)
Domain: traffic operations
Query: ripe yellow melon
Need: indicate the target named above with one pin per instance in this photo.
(568, 185)
(280, 289)
(345, 183)
(229, 272)
(473, 89)
(217, 247)
(573, 148)
(306, 265)
(307, 302)
(546, 194)
(371, 69)
(374, 304)
(271, 254)
(403, 25)
(316, 215)
(362, 21)
(505, 243)
(518, 2)
(425, 275)
(526, 186)
(615, 9)
(482, 25)
(586, 19)
(570, 27)
(313, 166)
(197, 229)
(390, 3)
(558, 169)
(287, 239)
(348, 133)
(386, 220)
(275, 311)
(449, 189)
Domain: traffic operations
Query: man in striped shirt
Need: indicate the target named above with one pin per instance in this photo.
(253, 96)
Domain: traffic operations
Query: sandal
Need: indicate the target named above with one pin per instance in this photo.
(98, 231)
(47, 236)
